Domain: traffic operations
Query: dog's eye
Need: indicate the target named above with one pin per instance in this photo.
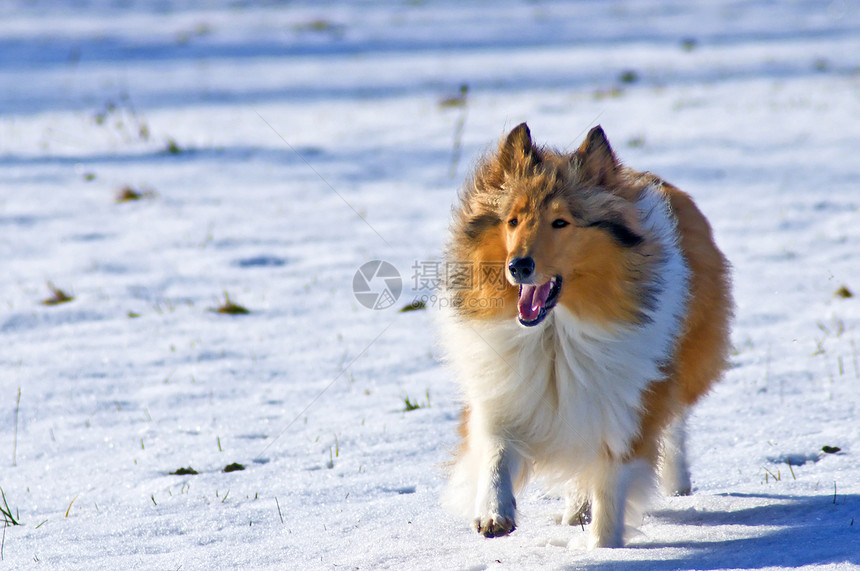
(512, 222)
(559, 223)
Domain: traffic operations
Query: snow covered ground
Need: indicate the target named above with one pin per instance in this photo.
(277, 148)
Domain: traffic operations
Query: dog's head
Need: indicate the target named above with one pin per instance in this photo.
(564, 225)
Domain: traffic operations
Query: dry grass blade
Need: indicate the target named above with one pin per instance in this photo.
(458, 100)
(277, 503)
(230, 308)
(58, 296)
(68, 509)
(129, 194)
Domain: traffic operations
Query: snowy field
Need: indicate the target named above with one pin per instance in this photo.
(278, 146)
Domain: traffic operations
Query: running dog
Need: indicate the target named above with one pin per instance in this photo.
(580, 365)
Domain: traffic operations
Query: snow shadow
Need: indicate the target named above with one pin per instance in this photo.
(276, 153)
(812, 530)
(153, 98)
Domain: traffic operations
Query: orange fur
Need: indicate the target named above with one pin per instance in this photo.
(703, 349)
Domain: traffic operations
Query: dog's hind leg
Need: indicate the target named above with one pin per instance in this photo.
(674, 471)
(619, 494)
(607, 507)
(577, 505)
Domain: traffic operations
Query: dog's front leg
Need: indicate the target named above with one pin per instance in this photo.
(495, 504)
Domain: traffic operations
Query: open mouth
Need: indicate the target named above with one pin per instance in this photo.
(536, 301)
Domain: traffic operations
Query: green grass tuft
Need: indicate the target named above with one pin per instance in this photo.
(172, 147)
(410, 405)
(628, 76)
(234, 467)
(320, 26)
(189, 471)
(416, 305)
(6, 512)
(844, 293)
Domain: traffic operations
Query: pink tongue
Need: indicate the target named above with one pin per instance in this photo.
(532, 299)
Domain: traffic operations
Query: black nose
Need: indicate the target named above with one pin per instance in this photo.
(521, 268)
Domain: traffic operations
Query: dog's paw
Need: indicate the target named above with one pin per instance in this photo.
(605, 542)
(684, 490)
(606, 539)
(494, 525)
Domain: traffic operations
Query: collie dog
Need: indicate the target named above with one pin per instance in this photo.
(608, 318)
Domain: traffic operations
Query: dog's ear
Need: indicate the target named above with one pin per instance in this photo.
(517, 154)
(597, 159)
